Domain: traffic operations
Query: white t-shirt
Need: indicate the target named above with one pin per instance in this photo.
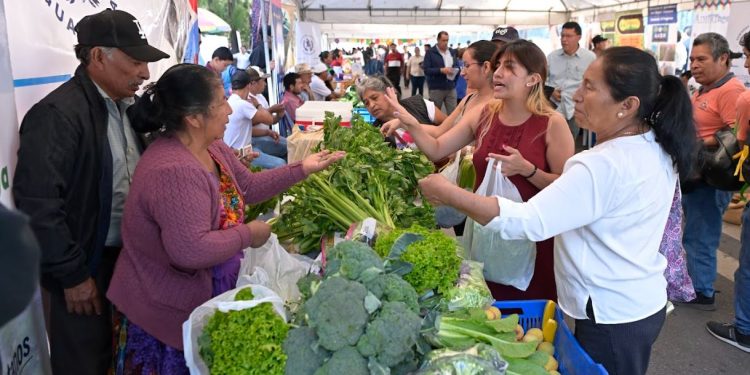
(243, 60)
(447, 57)
(415, 67)
(263, 104)
(607, 213)
(319, 88)
(239, 131)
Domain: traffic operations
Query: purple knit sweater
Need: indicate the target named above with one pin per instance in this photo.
(171, 235)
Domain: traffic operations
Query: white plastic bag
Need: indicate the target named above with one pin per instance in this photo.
(193, 327)
(272, 266)
(508, 262)
(447, 216)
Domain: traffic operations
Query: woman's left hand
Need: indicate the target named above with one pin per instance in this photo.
(321, 160)
(434, 187)
(513, 163)
(246, 160)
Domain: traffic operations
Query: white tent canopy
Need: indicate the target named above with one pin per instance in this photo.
(459, 12)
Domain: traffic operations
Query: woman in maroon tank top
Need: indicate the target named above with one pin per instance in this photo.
(521, 129)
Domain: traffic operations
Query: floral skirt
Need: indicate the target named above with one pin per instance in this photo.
(137, 352)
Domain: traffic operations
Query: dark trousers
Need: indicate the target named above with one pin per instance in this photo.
(623, 349)
(82, 344)
(417, 85)
(394, 75)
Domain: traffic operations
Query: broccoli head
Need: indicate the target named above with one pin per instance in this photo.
(337, 312)
(351, 259)
(392, 288)
(391, 336)
(304, 354)
(305, 284)
(345, 361)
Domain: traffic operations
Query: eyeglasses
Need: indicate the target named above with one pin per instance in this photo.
(470, 64)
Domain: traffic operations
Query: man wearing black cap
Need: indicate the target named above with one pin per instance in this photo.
(504, 35)
(77, 156)
(599, 43)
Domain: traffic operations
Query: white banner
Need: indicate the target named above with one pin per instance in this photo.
(710, 16)
(738, 26)
(308, 43)
(41, 39)
(8, 121)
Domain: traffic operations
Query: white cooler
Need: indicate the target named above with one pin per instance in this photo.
(313, 113)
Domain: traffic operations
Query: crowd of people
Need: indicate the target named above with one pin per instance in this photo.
(137, 202)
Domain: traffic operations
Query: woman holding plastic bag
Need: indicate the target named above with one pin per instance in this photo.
(534, 143)
(183, 230)
(608, 209)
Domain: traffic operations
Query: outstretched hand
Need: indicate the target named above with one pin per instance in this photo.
(320, 161)
(435, 188)
(399, 112)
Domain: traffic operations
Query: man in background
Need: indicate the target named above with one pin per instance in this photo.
(504, 35)
(441, 68)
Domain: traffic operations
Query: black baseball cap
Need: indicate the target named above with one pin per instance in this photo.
(505, 34)
(243, 77)
(119, 29)
(598, 39)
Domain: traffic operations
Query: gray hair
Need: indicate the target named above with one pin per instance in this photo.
(83, 53)
(717, 43)
(378, 83)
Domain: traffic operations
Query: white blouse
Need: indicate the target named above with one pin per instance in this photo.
(607, 211)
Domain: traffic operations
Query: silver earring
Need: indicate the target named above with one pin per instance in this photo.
(620, 114)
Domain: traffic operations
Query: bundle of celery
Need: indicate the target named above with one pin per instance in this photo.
(373, 180)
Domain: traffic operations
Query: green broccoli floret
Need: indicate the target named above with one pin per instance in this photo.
(392, 288)
(391, 336)
(244, 295)
(305, 284)
(351, 258)
(337, 312)
(345, 361)
(304, 354)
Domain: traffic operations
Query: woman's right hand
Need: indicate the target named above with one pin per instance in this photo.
(260, 231)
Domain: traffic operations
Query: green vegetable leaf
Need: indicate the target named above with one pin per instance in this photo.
(518, 366)
(402, 242)
(372, 303)
(398, 267)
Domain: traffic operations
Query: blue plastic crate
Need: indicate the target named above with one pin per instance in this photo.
(572, 359)
(365, 114)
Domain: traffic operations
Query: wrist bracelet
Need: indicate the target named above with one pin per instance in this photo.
(532, 173)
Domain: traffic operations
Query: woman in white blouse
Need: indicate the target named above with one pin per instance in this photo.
(608, 209)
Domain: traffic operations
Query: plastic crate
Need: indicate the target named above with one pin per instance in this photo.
(572, 359)
(365, 114)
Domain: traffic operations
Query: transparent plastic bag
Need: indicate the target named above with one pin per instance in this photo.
(471, 290)
(480, 359)
(193, 327)
(508, 262)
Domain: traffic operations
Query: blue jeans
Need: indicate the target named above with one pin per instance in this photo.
(703, 208)
(742, 279)
(272, 154)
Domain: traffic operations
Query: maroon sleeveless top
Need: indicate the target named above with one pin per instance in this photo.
(529, 139)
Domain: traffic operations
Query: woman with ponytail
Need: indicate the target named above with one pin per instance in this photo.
(183, 229)
(608, 209)
(518, 127)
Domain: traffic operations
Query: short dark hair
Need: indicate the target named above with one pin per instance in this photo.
(664, 102)
(572, 25)
(745, 41)
(441, 34)
(83, 54)
(183, 90)
(223, 53)
(290, 79)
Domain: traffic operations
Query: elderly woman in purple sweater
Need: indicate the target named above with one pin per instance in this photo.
(183, 230)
